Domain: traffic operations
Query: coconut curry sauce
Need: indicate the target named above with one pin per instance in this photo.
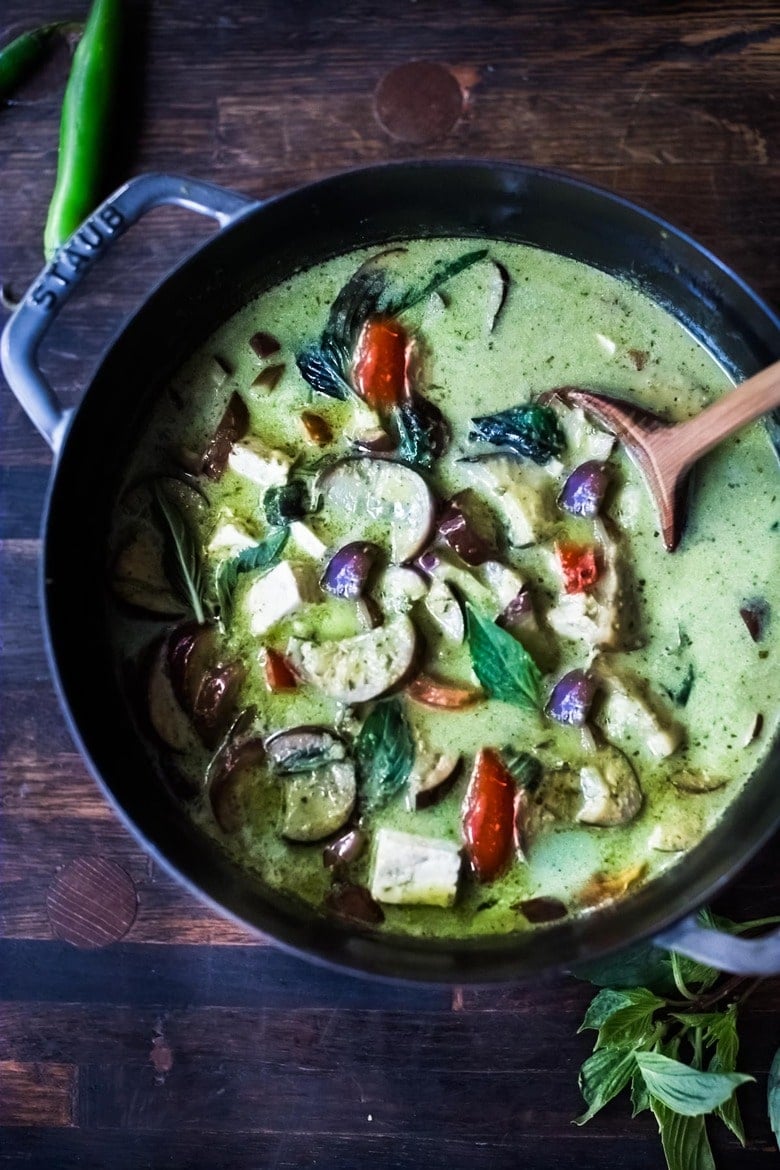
(406, 637)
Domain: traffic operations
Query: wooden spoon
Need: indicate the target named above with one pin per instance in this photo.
(665, 452)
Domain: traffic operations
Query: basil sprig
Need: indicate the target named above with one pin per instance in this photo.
(502, 664)
(184, 562)
(385, 752)
(260, 556)
(369, 292)
(678, 1055)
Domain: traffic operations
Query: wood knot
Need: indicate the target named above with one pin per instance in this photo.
(92, 902)
(419, 101)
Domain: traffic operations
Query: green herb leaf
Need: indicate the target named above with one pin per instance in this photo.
(631, 1024)
(684, 1089)
(641, 965)
(681, 694)
(602, 1077)
(529, 430)
(385, 751)
(502, 664)
(285, 502)
(684, 1139)
(262, 556)
(602, 1006)
(773, 1096)
(423, 434)
(183, 553)
(525, 768)
(442, 272)
(640, 1098)
(722, 1031)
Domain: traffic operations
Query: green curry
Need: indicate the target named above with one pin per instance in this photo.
(408, 640)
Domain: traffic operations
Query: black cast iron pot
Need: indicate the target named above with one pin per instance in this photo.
(259, 244)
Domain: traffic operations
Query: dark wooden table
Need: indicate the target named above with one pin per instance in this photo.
(191, 1043)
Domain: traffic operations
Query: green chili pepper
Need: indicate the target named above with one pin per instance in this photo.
(86, 114)
(21, 56)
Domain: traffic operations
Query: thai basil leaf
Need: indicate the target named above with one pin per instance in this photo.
(384, 751)
(684, 1089)
(602, 1077)
(525, 768)
(640, 1098)
(285, 502)
(602, 1006)
(684, 1139)
(260, 556)
(773, 1096)
(183, 554)
(642, 965)
(722, 1031)
(627, 1022)
(529, 429)
(423, 434)
(442, 272)
(502, 664)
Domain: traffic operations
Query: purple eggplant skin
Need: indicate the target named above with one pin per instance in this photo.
(348, 570)
(571, 698)
(541, 909)
(354, 904)
(457, 530)
(232, 428)
(519, 611)
(228, 786)
(584, 490)
(216, 701)
(192, 650)
(345, 849)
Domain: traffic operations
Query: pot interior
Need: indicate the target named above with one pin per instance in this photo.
(370, 207)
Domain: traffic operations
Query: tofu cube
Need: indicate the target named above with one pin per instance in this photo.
(414, 871)
(229, 539)
(307, 540)
(259, 464)
(277, 594)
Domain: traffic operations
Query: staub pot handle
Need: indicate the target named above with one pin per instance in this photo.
(27, 327)
(725, 952)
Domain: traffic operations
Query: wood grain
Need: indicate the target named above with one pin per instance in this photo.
(190, 1043)
(37, 1093)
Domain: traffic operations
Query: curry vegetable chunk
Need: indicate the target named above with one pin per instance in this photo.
(402, 622)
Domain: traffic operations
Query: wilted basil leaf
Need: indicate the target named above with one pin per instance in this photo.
(525, 768)
(182, 553)
(529, 430)
(260, 556)
(423, 434)
(285, 502)
(503, 666)
(384, 751)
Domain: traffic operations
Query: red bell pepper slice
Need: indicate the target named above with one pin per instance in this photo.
(489, 816)
(379, 368)
(579, 566)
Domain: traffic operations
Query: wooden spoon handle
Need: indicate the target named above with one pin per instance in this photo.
(698, 435)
